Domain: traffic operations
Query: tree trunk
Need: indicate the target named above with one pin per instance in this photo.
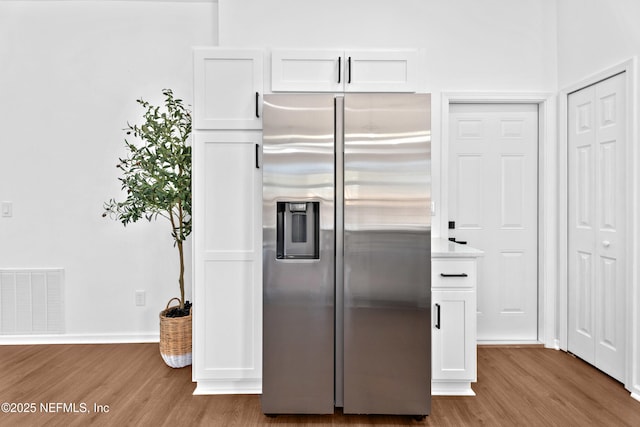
(181, 278)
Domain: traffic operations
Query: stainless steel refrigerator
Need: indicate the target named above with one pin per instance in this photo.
(347, 254)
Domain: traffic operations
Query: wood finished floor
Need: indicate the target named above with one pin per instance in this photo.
(516, 386)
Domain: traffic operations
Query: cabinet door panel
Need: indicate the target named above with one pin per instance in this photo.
(381, 71)
(307, 70)
(226, 84)
(230, 311)
(227, 256)
(453, 335)
(229, 197)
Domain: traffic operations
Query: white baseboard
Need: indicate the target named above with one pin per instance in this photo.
(205, 387)
(151, 337)
(508, 342)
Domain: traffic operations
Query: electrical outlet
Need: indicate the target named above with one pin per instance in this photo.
(140, 298)
(7, 209)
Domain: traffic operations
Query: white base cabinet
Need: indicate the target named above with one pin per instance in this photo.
(453, 332)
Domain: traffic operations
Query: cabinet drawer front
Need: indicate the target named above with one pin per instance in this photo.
(453, 273)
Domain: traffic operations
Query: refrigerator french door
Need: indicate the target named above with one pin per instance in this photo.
(346, 254)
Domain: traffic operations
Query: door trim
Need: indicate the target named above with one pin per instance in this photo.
(632, 273)
(547, 191)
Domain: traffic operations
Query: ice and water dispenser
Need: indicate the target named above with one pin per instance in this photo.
(298, 230)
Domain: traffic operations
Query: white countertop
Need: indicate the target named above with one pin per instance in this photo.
(443, 248)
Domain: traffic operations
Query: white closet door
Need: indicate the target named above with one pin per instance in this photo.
(596, 222)
(493, 199)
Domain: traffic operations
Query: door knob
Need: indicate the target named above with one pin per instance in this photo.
(606, 243)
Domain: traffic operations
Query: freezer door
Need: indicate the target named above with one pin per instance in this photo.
(387, 268)
(298, 254)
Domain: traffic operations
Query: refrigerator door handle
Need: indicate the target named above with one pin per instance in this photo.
(339, 250)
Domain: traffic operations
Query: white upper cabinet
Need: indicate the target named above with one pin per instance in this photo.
(344, 71)
(307, 70)
(381, 71)
(229, 86)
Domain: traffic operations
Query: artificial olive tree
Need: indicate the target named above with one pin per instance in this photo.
(156, 173)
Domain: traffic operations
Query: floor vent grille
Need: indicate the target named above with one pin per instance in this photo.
(31, 301)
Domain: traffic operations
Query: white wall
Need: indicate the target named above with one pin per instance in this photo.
(70, 74)
(594, 35)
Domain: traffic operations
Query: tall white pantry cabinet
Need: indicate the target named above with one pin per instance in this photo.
(227, 221)
(227, 209)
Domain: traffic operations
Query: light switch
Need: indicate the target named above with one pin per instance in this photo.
(7, 209)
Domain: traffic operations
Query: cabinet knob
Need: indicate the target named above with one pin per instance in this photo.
(606, 243)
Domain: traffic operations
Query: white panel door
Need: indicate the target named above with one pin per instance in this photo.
(596, 179)
(493, 193)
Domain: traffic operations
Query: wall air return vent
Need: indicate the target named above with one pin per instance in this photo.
(31, 301)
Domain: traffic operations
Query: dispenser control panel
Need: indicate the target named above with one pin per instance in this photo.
(298, 230)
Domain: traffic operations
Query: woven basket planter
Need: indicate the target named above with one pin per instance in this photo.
(175, 338)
